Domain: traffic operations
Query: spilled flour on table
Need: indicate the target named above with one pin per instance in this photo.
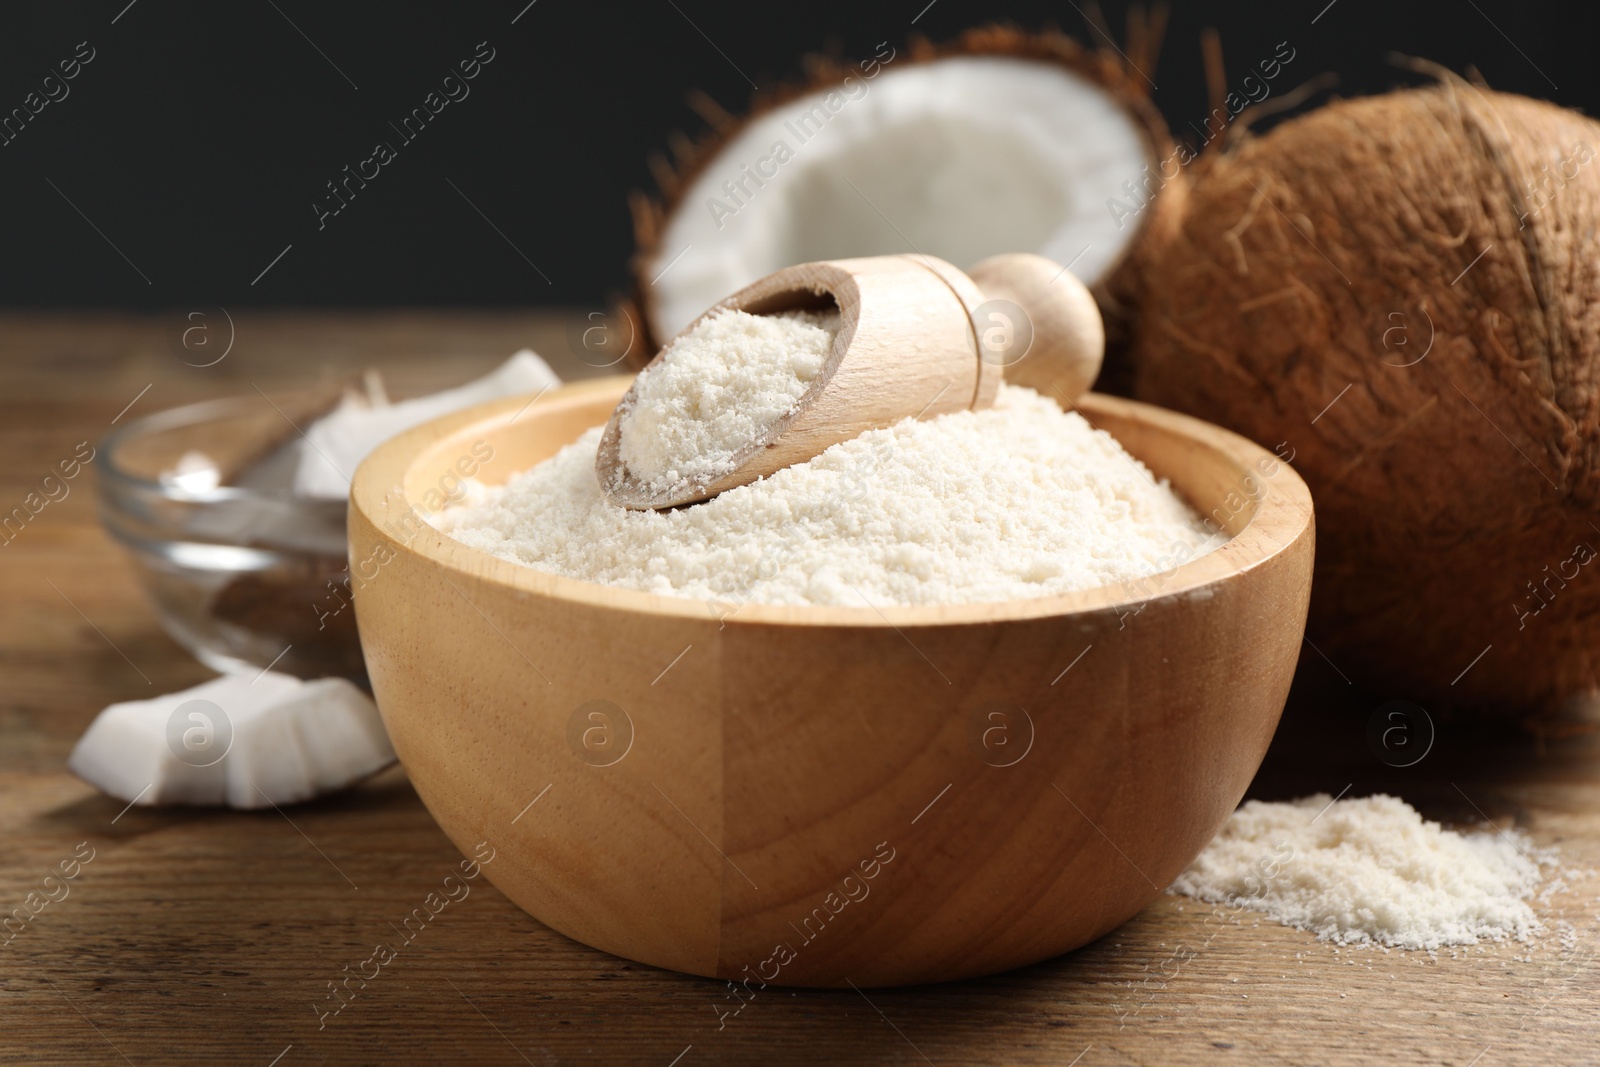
(1372, 870)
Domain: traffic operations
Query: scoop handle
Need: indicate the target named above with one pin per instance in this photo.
(1068, 338)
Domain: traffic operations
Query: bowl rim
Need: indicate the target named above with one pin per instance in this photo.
(114, 476)
(1281, 519)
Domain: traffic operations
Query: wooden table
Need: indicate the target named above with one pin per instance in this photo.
(212, 936)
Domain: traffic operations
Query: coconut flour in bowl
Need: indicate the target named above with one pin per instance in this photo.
(1016, 501)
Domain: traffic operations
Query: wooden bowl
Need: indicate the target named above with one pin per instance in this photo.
(816, 796)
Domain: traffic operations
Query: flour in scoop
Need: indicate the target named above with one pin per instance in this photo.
(1370, 870)
(718, 388)
(1015, 501)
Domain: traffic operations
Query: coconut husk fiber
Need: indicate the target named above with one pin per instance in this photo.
(1401, 294)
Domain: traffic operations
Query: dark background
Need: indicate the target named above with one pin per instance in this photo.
(199, 136)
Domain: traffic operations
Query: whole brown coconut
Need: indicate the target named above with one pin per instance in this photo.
(1401, 294)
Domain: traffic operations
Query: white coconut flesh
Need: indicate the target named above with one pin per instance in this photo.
(959, 158)
(236, 740)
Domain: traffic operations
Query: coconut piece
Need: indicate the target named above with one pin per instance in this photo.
(1399, 295)
(242, 742)
(1001, 141)
(337, 443)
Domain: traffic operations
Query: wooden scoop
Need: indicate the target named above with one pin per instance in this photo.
(917, 338)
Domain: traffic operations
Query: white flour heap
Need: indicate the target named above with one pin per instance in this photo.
(1020, 500)
(1369, 870)
(716, 389)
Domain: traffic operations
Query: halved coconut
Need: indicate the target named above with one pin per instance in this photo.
(1001, 141)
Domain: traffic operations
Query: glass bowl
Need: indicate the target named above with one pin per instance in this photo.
(242, 574)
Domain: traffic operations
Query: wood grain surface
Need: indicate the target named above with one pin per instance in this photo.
(205, 937)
